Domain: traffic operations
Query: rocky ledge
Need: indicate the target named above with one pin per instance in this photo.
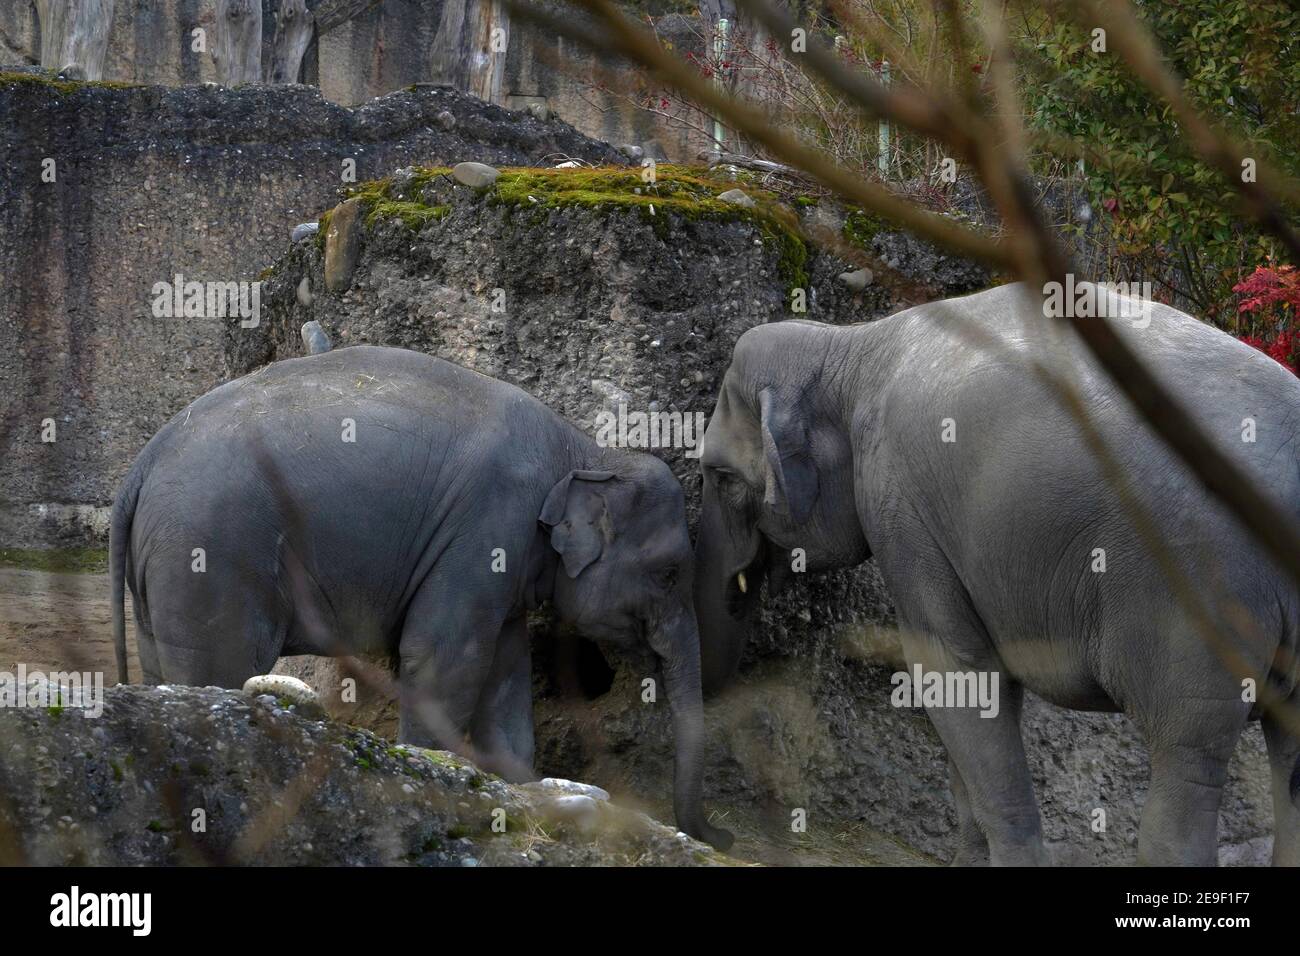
(179, 775)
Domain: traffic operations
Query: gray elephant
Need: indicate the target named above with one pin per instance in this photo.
(1007, 551)
(374, 500)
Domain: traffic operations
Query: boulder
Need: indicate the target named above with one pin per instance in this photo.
(342, 244)
(314, 339)
(736, 197)
(177, 775)
(857, 280)
(475, 175)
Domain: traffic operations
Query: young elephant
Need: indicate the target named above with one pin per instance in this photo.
(378, 500)
(1006, 549)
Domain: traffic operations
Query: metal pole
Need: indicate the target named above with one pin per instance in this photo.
(882, 156)
(720, 37)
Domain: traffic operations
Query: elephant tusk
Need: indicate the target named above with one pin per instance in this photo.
(744, 585)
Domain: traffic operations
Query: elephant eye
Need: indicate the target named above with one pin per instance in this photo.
(730, 486)
(666, 577)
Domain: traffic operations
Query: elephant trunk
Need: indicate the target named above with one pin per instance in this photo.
(728, 574)
(680, 653)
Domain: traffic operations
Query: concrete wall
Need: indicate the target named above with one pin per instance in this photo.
(151, 182)
(388, 48)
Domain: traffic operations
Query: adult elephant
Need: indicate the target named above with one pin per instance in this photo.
(925, 440)
(374, 500)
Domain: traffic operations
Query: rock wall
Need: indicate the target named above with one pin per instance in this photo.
(149, 183)
(605, 303)
(385, 49)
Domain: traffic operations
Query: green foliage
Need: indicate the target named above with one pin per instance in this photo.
(50, 81)
(82, 560)
(686, 192)
(1176, 219)
(414, 216)
(860, 227)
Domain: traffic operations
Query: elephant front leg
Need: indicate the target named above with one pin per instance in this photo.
(445, 658)
(992, 787)
(972, 847)
(501, 731)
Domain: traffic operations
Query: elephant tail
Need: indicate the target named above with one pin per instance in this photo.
(119, 537)
(1295, 783)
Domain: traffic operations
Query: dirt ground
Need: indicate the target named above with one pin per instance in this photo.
(61, 621)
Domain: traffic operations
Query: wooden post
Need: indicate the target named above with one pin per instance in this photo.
(333, 13)
(74, 33)
(238, 48)
(294, 25)
(469, 51)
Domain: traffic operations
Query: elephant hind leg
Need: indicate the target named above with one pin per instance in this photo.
(1189, 768)
(208, 657)
(1282, 734)
(147, 647)
(989, 754)
(446, 653)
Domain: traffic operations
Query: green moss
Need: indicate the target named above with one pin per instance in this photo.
(371, 191)
(324, 220)
(792, 257)
(686, 192)
(442, 758)
(78, 560)
(62, 86)
(378, 190)
(861, 227)
(266, 273)
(378, 201)
(414, 215)
(681, 190)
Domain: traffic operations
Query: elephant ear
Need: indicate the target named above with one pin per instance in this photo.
(578, 519)
(790, 484)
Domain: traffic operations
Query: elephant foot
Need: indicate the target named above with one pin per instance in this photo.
(971, 856)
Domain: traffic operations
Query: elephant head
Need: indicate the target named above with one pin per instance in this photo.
(625, 577)
(778, 481)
